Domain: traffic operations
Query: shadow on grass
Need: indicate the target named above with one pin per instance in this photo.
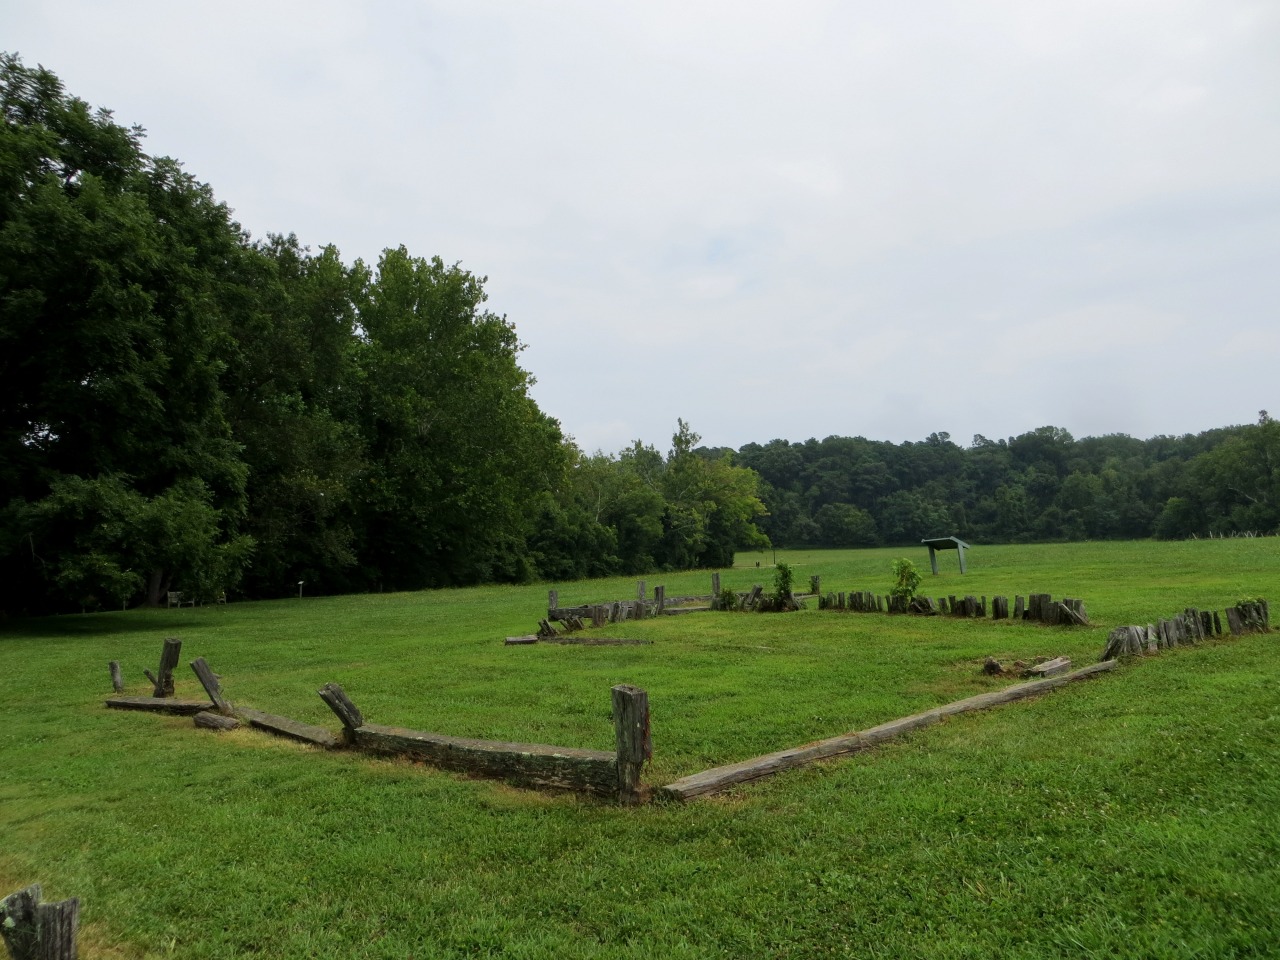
(77, 625)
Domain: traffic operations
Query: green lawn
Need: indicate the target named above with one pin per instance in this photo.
(1137, 814)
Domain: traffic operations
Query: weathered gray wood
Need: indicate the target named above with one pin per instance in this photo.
(553, 603)
(1050, 668)
(715, 586)
(1233, 621)
(163, 678)
(212, 686)
(633, 739)
(1152, 640)
(33, 930)
(720, 778)
(293, 729)
(159, 705)
(520, 641)
(117, 680)
(660, 595)
(347, 712)
(1019, 608)
(1217, 624)
(210, 720)
(18, 922)
(527, 764)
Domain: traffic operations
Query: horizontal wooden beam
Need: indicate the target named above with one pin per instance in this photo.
(293, 729)
(160, 704)
(720, 778)
(527, 764)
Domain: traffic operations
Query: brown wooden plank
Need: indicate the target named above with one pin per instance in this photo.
(293, 729)
(159, 704)
(212, 686)
(719, 778)
(209, 720)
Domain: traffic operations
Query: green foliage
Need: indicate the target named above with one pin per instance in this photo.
(783, 581)
(728, 599)
(906, 579)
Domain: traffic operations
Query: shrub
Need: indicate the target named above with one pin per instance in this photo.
(906, 579)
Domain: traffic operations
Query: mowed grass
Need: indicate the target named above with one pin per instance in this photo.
(1137, 814)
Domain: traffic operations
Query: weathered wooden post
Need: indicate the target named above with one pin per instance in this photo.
(117, 681)
(346, 711)
(553, 602)
(39, 931)
(639, 589)
(815, 585)
(212, 686)
(635, 744)
(660, 596)
(162, 679)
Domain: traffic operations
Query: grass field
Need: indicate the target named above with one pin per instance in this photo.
(1135, 815)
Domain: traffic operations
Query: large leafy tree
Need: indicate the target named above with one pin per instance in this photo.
(459, 454)
(112, 296)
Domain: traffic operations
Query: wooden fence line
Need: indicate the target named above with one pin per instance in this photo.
(613, 774)
(721, 778)
(1188, 627)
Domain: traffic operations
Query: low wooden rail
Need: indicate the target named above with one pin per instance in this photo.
(721, 778)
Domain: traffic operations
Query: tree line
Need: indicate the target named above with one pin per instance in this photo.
(183, 407)
(1043, 485)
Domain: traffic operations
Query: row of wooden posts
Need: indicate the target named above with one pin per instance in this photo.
(1188, 627)
(607, 773)
(1037, 607)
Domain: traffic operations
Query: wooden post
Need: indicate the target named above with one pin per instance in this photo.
(553, 601)
(212, 687)
(635, 744)
(1019, 608)
(660, 595)
(338, 701)
(815, 585)
(640, 590)
(960, 550)
(39, 931)
(117, 681)
(933, 560)
(162, 679)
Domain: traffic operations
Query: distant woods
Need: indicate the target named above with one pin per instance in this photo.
(1040, 486)
(184, 408)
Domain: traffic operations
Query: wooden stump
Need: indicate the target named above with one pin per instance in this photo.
(1019, 608)
(634, 741)
(117, 681)
(163, 677)
(39, 931)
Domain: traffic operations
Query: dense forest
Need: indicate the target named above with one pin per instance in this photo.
(183, 407)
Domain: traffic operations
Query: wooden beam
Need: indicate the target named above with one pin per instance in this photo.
(720, 778)
(117, 681)
(527, 764)
(293, 729)
(159, 705)
(210, 720)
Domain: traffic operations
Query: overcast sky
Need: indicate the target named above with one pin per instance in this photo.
(773, 220)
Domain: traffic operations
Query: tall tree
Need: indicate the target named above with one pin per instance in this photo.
(111, 319)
